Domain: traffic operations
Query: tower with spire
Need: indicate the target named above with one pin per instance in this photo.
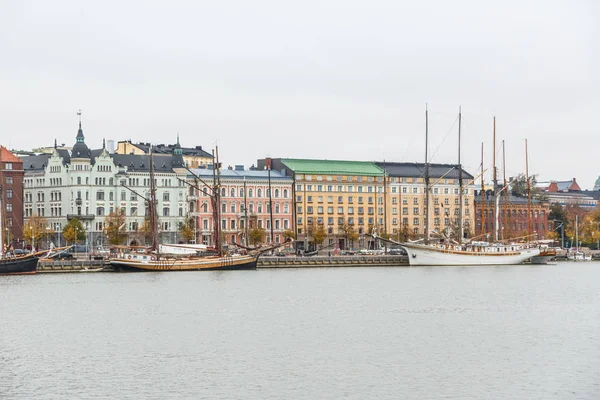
(80, 149)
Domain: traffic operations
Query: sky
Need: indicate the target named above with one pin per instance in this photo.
(322, 79)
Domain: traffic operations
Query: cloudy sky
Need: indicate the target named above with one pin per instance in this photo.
(335, 79)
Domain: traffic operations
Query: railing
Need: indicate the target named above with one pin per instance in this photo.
(82, 217)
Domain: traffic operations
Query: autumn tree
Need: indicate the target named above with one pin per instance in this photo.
(73, 231)
(288, 234)
(35, 230)
(257, 236)
(146, 230)
(319, 234)
(186, 230)
(347, 230)
(114, 227)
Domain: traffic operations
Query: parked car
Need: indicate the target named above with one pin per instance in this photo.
(62, 255)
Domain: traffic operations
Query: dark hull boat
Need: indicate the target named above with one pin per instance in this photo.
(19, 265)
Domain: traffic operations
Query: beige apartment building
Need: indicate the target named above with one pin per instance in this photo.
(193, 157)
(406, 200)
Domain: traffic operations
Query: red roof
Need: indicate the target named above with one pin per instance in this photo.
(7, 156)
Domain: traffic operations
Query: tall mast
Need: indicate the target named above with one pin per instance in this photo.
(460, 183)
(483, 219)
(152, 206)
(216, 200)
(495, 171)
(268, 162)
(528, 191)
(426, 175)
(245, 214)
(505, 190)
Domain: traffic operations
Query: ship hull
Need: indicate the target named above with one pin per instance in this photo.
(19, 265)
(147, 263)
(425, 255)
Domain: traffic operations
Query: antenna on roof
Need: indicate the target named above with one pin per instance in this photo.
(79, 115)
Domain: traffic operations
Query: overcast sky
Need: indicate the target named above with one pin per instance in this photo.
(334, 79)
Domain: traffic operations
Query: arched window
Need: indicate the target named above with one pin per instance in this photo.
(250, 192)
(259, 192)
(285, 193)
(276, 193)
(277, 208)
(241, 192)
(192, 206)
(204, 207)
(232, 192)
(223, 192)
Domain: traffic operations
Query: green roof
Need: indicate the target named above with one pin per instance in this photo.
(332, 167)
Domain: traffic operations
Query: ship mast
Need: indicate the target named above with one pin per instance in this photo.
(152, 205)
(505, 191)
(528, 192)
(460, 184)
(494, 183)
(216, 200)
(483, 219)
(426, 176)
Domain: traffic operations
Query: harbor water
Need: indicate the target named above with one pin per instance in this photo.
(510, 332)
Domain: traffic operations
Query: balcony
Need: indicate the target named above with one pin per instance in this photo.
(82, 217)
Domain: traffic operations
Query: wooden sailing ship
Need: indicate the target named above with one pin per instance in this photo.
(151, 259)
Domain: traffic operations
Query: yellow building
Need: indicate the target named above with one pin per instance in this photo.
(352, 199)
(345, 198)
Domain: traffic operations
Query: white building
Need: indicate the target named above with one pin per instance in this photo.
(89, 185)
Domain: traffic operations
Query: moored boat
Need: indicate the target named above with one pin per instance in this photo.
(476, 253)
(183, 257)
(26, 264)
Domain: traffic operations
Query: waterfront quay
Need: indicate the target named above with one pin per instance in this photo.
(263, 262)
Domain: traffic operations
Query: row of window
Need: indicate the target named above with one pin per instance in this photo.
(239, 192)
(394, 179)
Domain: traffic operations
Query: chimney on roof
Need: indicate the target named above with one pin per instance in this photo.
(230, 167)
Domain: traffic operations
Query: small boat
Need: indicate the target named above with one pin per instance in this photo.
(578, 256)
(544, 257)
(91, 269)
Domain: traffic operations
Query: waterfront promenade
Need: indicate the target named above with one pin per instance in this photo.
(263, 262)
(79, 265)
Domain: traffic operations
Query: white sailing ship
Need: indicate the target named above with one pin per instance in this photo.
(445, 253)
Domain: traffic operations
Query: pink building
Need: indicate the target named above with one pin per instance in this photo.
(245, 202)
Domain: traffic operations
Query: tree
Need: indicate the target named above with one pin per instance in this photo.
(187, 230)
(403, 233)
(348, 231)
(35, 229)
(288, 234)
(319, 234)
(114, 227)
(73, 231)
(518, 185)
(146, 230)
(257, 236)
